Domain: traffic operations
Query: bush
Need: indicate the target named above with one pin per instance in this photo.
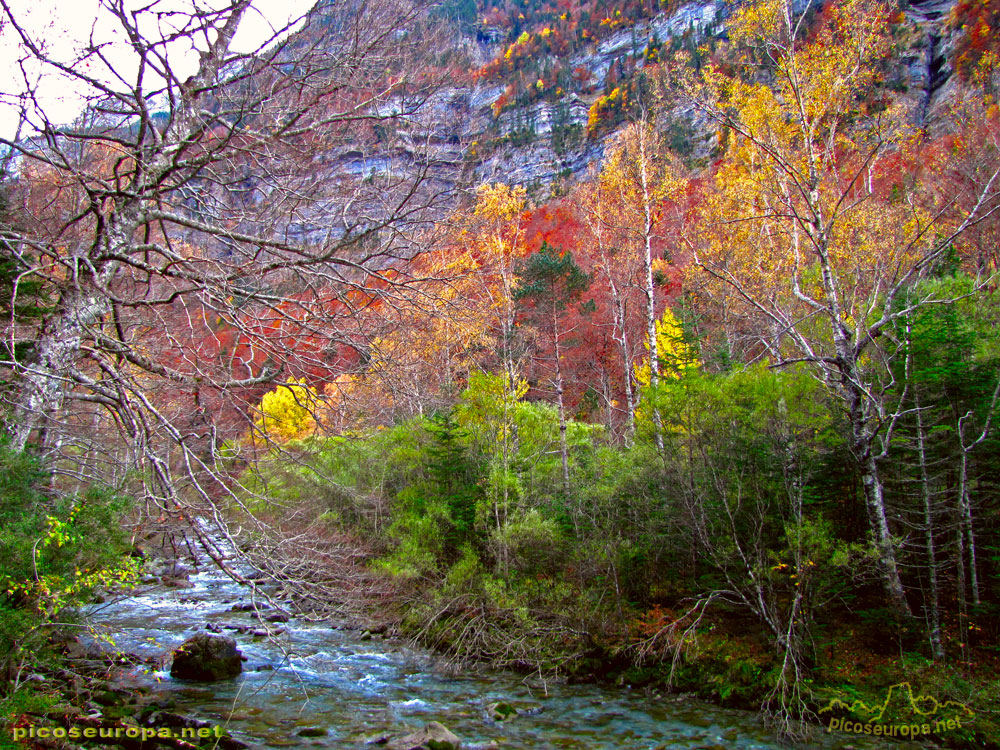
(534, 544)
(54, 550)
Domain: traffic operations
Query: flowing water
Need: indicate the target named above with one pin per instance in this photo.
(315, 676)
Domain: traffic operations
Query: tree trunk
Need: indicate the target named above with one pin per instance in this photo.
(853, 392)
(621, 336)
(563, 443)
(863, 444)
(934, 608)
(963, 602)
(647, 259)
(965, 504)
(965, 523)
(619, 312)
(47, 375)
(888, 566)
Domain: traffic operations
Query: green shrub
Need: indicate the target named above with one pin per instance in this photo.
(534, 544)
(54, 550)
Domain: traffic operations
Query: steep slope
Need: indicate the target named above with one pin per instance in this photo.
(552, 82)
(531, 90)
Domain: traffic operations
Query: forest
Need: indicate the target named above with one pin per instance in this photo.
(719, 421)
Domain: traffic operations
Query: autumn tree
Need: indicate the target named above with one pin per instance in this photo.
(496, 247)
(288, 412)
(207, 227)
(808, 234)
(549, 283)
(614, 272)
(638, 177)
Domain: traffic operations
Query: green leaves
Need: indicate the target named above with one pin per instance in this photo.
(550, 279)
(54, 550)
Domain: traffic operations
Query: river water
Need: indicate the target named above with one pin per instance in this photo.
(315, 676)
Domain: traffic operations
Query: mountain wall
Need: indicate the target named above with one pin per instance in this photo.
(551, 140)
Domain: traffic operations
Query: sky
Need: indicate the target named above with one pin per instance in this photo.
(66, 26)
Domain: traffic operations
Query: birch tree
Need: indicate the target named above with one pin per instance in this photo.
(814, 232)
(639, 176)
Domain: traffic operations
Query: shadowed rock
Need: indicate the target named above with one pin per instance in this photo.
(207, 658)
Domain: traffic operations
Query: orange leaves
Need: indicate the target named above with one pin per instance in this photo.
(502, 101)
(602, 108)
(653, 621)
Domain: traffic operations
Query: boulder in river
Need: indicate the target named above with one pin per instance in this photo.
(503, 711)
(312, 732)
(207, 658)
(434, 736)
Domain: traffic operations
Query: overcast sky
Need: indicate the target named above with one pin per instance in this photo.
(67, 25)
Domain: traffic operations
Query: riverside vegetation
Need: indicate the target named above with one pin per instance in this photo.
(732, 563)
(719, 420)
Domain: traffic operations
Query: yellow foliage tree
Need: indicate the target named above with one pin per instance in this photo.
(639, 177)
(494, 243)
(816, 233)
(675, 354)
(288, 412)
(799, 235)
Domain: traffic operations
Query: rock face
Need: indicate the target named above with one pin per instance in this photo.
(434, 736)
(207, 658)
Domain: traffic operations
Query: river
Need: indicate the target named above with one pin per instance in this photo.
(316, 676)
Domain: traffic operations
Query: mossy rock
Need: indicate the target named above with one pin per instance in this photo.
(500, 711)
(108, 698)
(434, 736)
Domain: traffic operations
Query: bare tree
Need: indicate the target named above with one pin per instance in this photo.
(198, 237)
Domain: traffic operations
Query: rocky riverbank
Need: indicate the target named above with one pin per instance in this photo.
(83, 696)
(310, 684)
(92, 704)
